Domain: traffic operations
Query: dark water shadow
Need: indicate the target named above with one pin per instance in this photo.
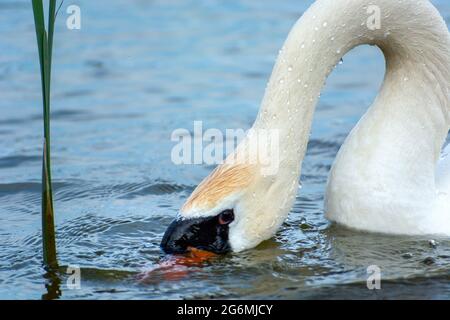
(52, 285)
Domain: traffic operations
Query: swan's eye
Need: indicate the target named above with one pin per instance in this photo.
(226, 217)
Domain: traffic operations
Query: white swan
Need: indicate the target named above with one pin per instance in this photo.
(387, 177)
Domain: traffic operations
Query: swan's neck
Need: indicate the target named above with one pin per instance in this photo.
(413, 101)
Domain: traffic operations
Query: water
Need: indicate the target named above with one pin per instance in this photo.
(136, 71)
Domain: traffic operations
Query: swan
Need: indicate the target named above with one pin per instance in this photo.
(388, 176)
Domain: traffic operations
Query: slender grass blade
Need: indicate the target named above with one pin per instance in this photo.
(45, 45)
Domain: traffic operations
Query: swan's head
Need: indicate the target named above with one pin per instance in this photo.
(233, 209)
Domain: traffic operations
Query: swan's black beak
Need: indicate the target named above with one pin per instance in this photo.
(201, 233)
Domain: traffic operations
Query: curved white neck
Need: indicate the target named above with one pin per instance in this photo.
(414, 96)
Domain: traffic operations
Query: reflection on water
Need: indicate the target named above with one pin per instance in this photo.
(53, 285)
(135, 72)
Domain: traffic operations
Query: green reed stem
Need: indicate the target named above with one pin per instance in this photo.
(45, 46)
